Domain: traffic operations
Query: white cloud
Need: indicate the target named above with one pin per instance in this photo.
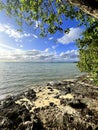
(11, 32)
(50, 38)
(47, 49)
(35, 36)
(71, 36)
(8, 53)
(24, 34)
(70, 55)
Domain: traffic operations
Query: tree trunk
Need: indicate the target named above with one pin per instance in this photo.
(88, 6)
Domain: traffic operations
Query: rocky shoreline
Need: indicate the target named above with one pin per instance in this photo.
(63, 105)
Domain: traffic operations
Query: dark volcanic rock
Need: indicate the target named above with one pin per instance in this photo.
(9, 101)
(51, 89)
(82, 113)
(37, 124)
(77, 104)
(96, 128)
(30, 94)
(63, 101)
(14, 116)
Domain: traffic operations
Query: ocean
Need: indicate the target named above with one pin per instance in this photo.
(16, 77)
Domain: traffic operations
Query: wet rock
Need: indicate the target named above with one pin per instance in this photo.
(68, 90)
(52, 117)
(8, 102)
(30, 94)
(52, 83)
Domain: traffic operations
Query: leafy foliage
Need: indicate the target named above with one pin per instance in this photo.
(50, 13)
(88, 50)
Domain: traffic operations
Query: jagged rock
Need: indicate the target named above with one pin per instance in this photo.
(77, 104)
(68, 105)
(30, 94)
(37, 124)
(36, 110)
(57, 96)
(51, 89)
(96, 128)
(52, 104)
(63, 101)
(8, 102)
(90, 128)
(52, 83)
(25, 126)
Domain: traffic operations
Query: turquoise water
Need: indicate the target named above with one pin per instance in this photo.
(17, 77)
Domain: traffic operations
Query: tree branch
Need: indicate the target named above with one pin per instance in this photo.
(89, 7)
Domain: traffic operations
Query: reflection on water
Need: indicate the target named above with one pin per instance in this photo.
(16, 77)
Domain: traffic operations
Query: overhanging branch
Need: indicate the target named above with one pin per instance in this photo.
(88, 6)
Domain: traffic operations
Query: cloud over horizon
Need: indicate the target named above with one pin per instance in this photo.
(8, 53)
(73, 34)
(70, 54)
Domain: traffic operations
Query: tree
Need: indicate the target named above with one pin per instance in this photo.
(88, 51)
(88, 6)
(51, 13)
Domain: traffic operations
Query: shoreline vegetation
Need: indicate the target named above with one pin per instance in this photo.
(71, 104)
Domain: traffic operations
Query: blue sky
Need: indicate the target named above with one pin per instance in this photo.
(28, 46)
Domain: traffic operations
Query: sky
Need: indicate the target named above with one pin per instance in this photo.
(28, 46)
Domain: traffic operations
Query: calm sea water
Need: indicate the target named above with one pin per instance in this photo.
(17, 77)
